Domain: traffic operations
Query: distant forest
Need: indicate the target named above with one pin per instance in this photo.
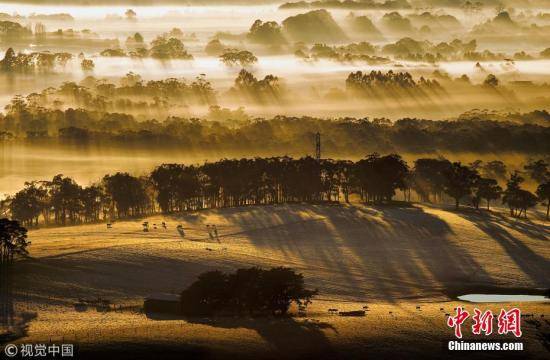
(227, 130)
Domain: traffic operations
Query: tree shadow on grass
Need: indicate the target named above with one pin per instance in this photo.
(288, 337)
(535, 266)
(13, 324)
(392, 251)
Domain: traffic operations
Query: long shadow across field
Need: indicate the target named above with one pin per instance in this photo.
(306, 338)
(121, 274)
(13, 324)
(384, 252)
(415, 250)
(498, 227)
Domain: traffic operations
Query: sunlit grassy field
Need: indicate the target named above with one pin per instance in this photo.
(391, 259)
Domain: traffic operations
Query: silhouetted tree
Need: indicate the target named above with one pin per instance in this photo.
(543, 193)
(518, 199)
(487, 189)
(491, 81)
(379, 177)
(538, 170)
(92, 200)
(177, 187)
(280, 287)
(169, 48)
(27, 204)
(234, 57)
(127, 193)
(267, 33)
(130, 14)
(87, 65)
(13, 240)
(65, 201)
(459, 181)
(208, 295)
(495, 169)
(252, 290)
(266, 90)
(429, 177)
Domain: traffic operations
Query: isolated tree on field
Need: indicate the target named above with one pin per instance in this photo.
(251, 290)
(543, 193)
(281, 286)
(245, 288)
(13, 240)
(459, 181)
(208, 295)
(487, 189)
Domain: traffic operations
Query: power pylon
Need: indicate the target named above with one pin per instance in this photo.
(318, 146)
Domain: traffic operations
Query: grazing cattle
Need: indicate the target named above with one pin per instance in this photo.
(180, 230)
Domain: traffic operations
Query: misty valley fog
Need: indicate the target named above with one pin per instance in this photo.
(302, 62)
(274, 179)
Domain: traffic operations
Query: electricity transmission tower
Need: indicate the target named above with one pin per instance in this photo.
(318, 146)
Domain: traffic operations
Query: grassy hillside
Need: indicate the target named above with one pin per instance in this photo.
(391, 258)
(348, 252)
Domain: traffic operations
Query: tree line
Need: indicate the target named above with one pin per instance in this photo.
(376, 179)
(27, 118)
